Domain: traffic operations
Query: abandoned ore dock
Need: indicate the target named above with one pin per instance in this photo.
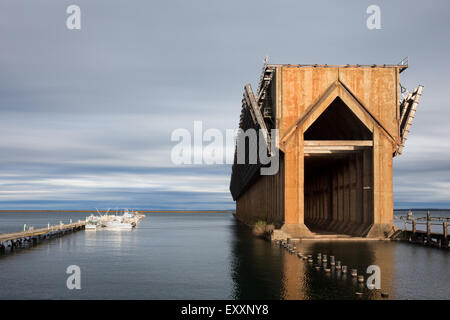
(339, 127)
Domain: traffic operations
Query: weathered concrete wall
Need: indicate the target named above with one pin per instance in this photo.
(383, 186)
(371, 94)
(377, 89)
(263, 200)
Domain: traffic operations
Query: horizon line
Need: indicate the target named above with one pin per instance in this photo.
(143, 211)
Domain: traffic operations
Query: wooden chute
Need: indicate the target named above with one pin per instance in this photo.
(408, 109)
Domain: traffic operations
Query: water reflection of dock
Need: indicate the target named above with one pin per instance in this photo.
(302, 280)
(264, 270)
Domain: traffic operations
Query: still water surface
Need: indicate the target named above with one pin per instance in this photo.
(206, 256)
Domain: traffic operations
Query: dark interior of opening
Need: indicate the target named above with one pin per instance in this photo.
(338, 192)
(338, 184)
(338, 122)
(319, 186)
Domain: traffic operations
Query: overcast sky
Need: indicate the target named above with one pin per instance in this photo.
(86, 115)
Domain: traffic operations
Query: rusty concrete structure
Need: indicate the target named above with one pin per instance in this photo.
(339, 128)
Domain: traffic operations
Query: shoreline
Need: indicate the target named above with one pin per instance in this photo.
(169, 211)
(103, 211)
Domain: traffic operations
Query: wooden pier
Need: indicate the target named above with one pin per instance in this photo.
(425, 237)
(20, 239)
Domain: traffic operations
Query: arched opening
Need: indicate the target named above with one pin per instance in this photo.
(338, 122)
(338, 172)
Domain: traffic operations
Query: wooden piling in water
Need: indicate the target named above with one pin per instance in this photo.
(445, 233)
(427, 237)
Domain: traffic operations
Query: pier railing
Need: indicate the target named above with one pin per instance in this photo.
(427, 236)
(19, 239)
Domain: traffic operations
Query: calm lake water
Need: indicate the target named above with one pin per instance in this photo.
(206, 256)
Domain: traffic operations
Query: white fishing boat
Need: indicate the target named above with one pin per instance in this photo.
(126, 221)
(139, 216)
(119, 223)
(132, 217)
(127, 214)
(93, 223)
(90, 226)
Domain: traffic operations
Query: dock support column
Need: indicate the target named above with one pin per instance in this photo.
(294, 212)
(445, 232)
(383, 204)
(428, 228)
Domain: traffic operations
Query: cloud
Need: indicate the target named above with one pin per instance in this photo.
(86, 116)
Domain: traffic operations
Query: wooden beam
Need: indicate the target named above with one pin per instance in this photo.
(346, 143)
(332, 149)
(409, 113)
(246, 104)
(250, 97)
